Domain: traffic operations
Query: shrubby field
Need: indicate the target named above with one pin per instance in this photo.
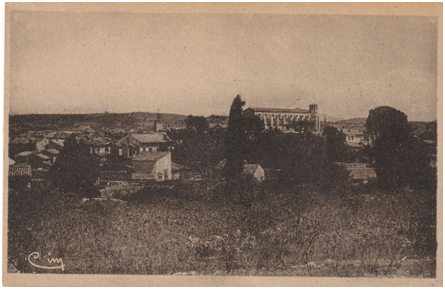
(191, 229)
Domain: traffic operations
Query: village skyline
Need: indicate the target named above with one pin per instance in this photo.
(329, 118)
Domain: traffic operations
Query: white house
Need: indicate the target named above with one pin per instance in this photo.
(356, 136)
(151, 166)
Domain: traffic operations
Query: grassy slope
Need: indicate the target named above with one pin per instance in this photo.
(300, 233)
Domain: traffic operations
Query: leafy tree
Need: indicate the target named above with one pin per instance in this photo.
(300, 157)
(199, 152)
(253, 126)
(18, 183)
(387, 124)
(335, 144)
(390, 132)
(75, 169)
(300, 126)
(399, 158)
(198, 123)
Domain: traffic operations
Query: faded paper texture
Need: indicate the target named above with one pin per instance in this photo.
(223, 144)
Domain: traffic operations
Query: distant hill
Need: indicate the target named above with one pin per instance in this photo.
(127, 121)
(355, 121)
(423, 129)
(218, 119)
(329, 118)
(137, 121)
(351, 123)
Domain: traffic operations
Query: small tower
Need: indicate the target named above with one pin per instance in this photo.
(158, 125)
(313, 109)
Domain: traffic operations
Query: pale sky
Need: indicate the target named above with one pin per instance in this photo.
(68, 62)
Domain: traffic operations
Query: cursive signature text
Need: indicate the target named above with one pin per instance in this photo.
(58, 262)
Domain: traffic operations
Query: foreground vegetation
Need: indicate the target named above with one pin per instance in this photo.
(192, 229)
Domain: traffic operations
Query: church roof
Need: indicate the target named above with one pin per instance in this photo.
(280, 110)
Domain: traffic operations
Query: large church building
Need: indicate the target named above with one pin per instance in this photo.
(285, 119)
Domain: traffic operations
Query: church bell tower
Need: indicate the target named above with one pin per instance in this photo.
(313, 109)
(158, 125)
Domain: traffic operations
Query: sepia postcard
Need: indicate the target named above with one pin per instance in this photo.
(223, 144)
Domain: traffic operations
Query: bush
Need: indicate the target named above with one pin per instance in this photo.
(335, 180)
(19, 183)
(242, 191)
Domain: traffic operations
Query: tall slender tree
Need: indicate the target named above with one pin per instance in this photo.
(235, 142)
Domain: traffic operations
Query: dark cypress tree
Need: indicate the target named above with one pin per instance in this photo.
(235, 142)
